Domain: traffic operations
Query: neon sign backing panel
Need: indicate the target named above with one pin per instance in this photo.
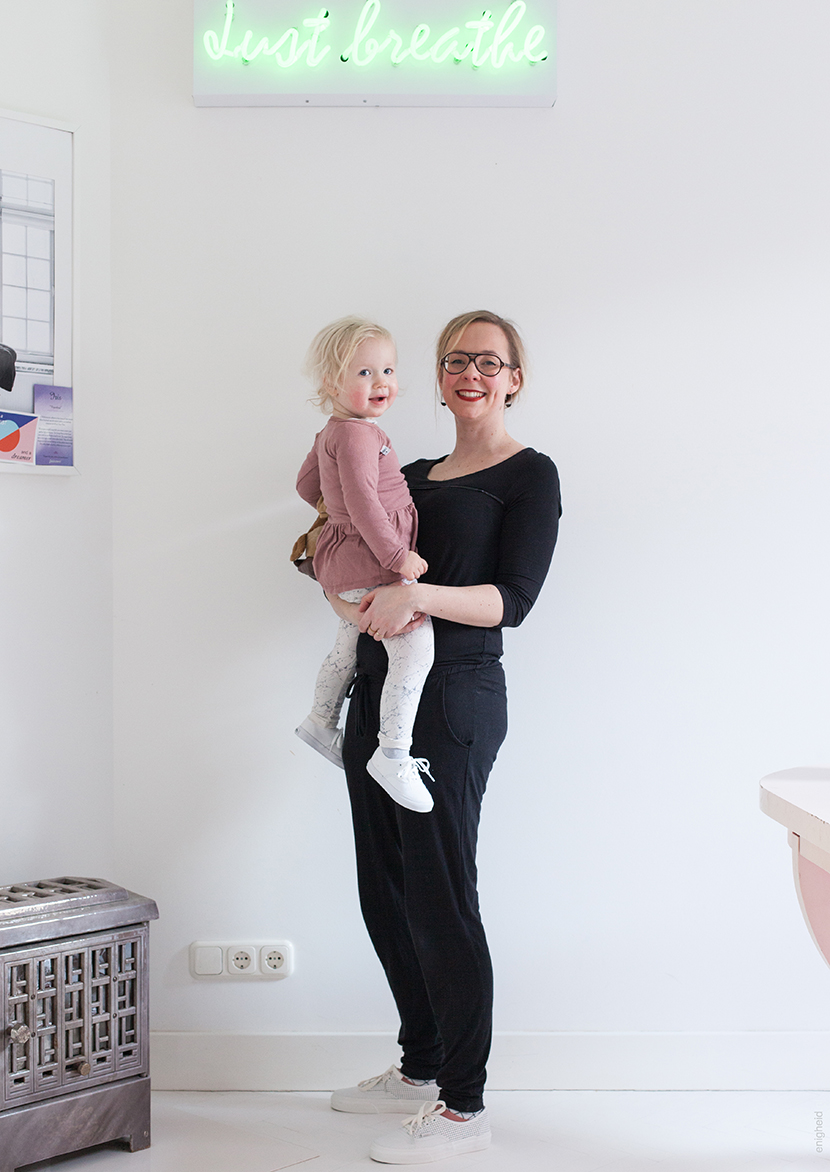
(374, 53)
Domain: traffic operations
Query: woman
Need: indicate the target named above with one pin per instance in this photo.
(488, 519)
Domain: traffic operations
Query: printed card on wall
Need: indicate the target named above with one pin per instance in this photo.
(53, 406)
(36, 293)
(18, 436)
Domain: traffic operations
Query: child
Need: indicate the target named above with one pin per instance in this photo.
(367, 541)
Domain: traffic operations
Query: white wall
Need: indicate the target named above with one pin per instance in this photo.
(56, 531)
(661, 236)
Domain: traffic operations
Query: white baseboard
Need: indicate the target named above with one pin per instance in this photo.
(542, 1061)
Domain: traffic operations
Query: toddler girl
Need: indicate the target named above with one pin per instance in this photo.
(367, 541)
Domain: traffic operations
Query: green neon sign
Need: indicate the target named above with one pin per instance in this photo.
(385, 52)
(291, 49)
(217, 47)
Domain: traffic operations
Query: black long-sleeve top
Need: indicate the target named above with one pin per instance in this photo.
(496, 526)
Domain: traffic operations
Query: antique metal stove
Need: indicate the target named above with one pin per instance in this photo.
(74, 1025)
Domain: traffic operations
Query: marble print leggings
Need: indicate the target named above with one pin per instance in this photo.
(410, 659)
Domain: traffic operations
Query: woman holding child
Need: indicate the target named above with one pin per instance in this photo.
(487, 523)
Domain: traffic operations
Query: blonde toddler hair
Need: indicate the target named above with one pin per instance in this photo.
(331, 352)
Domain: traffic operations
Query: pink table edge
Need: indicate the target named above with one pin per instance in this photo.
(800, 800)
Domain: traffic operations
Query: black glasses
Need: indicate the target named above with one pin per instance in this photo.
(457, 361)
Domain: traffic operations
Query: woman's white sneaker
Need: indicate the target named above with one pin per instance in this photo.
(328, 741)
(387, 1092)
(401, 780)
(430, 1135)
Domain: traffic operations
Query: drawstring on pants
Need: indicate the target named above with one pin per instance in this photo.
(360, 701)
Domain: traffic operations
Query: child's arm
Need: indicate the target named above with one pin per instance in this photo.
(308, 480)
(413, 566)
(356, 453)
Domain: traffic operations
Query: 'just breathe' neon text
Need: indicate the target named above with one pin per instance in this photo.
(472, 42)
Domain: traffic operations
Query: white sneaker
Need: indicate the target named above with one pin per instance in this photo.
(401, 780)
(328, 741)
(430, 1135)
(384, 1093)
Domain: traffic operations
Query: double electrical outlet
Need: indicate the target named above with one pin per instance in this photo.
(266, 959)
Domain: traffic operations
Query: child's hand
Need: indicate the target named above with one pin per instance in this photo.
(413, 566)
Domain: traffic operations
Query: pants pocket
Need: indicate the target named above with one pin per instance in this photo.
(458, 705)
(475, 705)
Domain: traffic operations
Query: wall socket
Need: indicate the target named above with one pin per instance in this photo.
(266, 960)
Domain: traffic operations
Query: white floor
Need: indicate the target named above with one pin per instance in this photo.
(533, 1131)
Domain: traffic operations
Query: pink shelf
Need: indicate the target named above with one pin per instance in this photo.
(800, 800)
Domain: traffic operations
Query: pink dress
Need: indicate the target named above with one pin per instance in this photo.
(372, 522)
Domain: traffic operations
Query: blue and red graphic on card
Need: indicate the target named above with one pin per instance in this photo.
(18, 436)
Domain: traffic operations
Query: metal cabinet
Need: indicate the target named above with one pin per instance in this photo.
(74, 968)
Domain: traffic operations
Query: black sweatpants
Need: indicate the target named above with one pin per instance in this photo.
(417, 872)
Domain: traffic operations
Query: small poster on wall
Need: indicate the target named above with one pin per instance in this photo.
(35, 296)
(18, 437)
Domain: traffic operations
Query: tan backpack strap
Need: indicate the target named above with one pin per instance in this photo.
(299, 547)
(306, 543)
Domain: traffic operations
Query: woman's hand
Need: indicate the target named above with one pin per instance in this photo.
(389, 611)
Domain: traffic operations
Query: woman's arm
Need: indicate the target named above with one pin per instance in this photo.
(525, 541)
(349, 611)
(389, 609)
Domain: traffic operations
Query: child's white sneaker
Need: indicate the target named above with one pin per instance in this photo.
(401, 780)
(328, 741)
(430, 1135)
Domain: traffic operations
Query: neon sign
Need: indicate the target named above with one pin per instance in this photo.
(363, 50)
(389, 52)
(218, 48)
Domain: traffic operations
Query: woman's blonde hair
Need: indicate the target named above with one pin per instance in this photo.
(453, 330)
(331, 352)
